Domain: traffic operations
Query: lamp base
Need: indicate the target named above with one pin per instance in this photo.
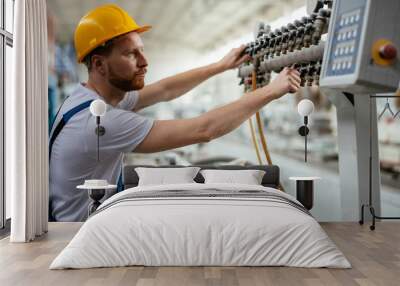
(305, 193)
(96, 195)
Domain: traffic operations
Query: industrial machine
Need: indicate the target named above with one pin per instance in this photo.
(358, 59)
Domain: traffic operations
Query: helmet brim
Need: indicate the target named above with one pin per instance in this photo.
(140, 30)
(143, 29)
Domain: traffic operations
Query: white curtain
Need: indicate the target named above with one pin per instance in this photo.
(27, 124)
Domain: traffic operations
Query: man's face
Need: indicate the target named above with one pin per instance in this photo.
(126, 65)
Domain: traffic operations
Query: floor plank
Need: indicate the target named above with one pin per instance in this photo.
(374, 255)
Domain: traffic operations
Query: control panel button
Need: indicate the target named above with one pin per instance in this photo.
(388, 52)
(349, 33)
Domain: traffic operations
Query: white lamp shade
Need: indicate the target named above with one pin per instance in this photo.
(305, 107)
(98, 107)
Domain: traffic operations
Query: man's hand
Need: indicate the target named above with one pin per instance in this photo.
(233, 59)
(288, 80)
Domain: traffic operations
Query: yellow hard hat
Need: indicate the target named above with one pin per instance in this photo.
(100, 25)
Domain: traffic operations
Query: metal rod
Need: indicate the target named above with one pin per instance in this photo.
(384, 217)
(384, 96)
(98, 144)
(305, 55)
(370, 151)
(98, 137)
(305, 147)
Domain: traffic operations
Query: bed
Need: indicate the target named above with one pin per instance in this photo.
(199, 224)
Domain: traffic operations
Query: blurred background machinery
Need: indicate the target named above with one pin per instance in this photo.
(190, 33)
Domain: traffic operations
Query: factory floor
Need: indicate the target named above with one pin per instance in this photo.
(374, 255)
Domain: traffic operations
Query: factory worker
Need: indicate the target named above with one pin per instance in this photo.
(108, 42)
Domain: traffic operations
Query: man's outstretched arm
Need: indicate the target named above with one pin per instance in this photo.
(172, 87)
(170, 134)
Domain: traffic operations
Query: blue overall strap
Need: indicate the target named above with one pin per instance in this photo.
(53, 120)
(65, 118)
(120, 184)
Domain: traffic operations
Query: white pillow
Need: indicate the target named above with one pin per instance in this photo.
(165, 176)
(248, 177)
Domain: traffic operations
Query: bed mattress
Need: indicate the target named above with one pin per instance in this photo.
(201, 225)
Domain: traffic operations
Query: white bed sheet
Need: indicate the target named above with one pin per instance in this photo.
(200, 231)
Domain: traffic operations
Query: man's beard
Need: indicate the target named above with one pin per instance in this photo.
(126, 85)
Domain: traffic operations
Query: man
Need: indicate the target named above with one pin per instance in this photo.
(108, 41)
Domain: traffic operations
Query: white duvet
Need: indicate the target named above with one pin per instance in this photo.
(200, 231)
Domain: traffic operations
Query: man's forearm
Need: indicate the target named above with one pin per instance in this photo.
(223, 120)
(175, 86)
(181, 83)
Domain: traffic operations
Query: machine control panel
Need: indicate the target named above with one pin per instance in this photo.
(361, 51)
(345, 44)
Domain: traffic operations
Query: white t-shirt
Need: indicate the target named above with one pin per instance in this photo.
(74, 155)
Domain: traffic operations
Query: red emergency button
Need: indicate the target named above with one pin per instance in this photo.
(388, 52)
(384, 52)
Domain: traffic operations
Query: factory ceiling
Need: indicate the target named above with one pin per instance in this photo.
(195, 24)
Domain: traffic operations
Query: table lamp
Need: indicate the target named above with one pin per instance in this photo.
(98, 108)
(97, 188)
(305, 108)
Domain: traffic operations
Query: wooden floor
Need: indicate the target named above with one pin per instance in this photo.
(375, 257)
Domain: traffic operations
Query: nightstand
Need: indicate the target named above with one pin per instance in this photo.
(96, 193)
(305, 190)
